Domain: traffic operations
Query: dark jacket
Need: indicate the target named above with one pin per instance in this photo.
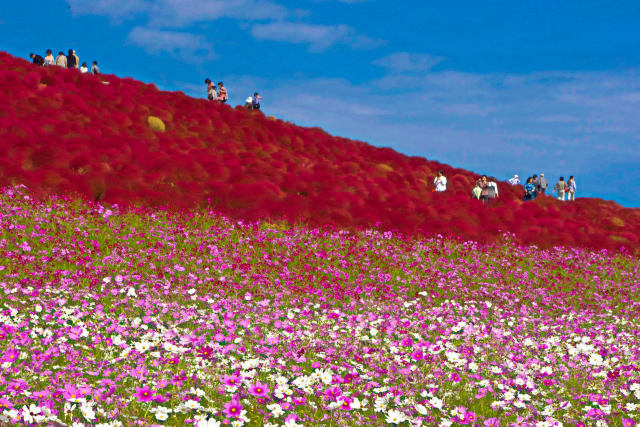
(38, 60)
(71, 61)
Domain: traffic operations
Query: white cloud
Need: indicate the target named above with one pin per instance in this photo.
(182, 13)
(318, 37)
(112, 8)
(190, 47)
(401, 62)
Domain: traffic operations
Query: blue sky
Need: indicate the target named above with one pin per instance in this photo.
(497, 87)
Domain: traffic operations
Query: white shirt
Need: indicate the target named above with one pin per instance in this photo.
(441, 183)
(84, 70)
(514, 181)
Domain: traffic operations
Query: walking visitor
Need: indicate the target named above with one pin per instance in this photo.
(493, 190)
(440, 182)
(529, 190)
(484, 189)
(222, 93)
(561, 188)
(94, 68)
(572, 187)
(84, 68)
(255, 101)
(535, 185)
(71, 60)
(514, 180)
(542, 184)
(61, 60)
(211, 90)
(49, 59)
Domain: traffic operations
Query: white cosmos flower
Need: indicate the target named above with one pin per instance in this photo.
(395, 417)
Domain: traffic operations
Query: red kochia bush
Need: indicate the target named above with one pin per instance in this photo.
(64, 132)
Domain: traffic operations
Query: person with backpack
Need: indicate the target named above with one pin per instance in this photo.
(529, 190)
(440, 182)
(49, 59)
(542, 184)
(37, 59)
(572, 187)
(94, 68)
(72, 60)
(561, 188)
(223, 96)
(211, 90)
(61, 60)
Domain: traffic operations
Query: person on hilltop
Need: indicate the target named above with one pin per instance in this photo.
(72, 60)
(493, 190)
(561, 188)
(94, 68)
(541, 184)
(484, 188)
(535, 185)
(49, 59)
(211, 90)
(84, 68)
(37, 59)
(77, 59)
(255, 101)
(223, 96)
(572, 188)
(515, 180)
(61, 60)
(529, 190)
(440, 182)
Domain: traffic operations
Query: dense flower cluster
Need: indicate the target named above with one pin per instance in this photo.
(63, 132)
(145, 317)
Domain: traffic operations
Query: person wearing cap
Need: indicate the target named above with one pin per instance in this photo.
(514, 180)
(541, 184)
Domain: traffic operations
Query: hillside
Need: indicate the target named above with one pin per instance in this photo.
(66, 133)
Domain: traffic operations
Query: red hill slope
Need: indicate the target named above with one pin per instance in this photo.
(64, 132)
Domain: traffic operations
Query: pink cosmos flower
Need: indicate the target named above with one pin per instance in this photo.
(455, 377)
(231, 380)
(233, 408)
(628, 422)
(143, 394)
(259, 390)
(491, 422)
(333, 392)
(416, 355)
(10, 355)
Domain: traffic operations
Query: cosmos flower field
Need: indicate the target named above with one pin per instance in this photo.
(143, 317)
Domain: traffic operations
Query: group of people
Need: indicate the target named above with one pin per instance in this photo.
(535, 185)
(70, 60)
(219, 93)
(486, 189)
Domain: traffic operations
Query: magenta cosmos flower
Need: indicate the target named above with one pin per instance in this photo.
(259, 390)
(231, 380)
(143, 394)
(628, 422)
(233, 408)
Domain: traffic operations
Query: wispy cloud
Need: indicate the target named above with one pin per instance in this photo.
(187, 46)
(402, 62)
(112, 8)
(318, 37)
